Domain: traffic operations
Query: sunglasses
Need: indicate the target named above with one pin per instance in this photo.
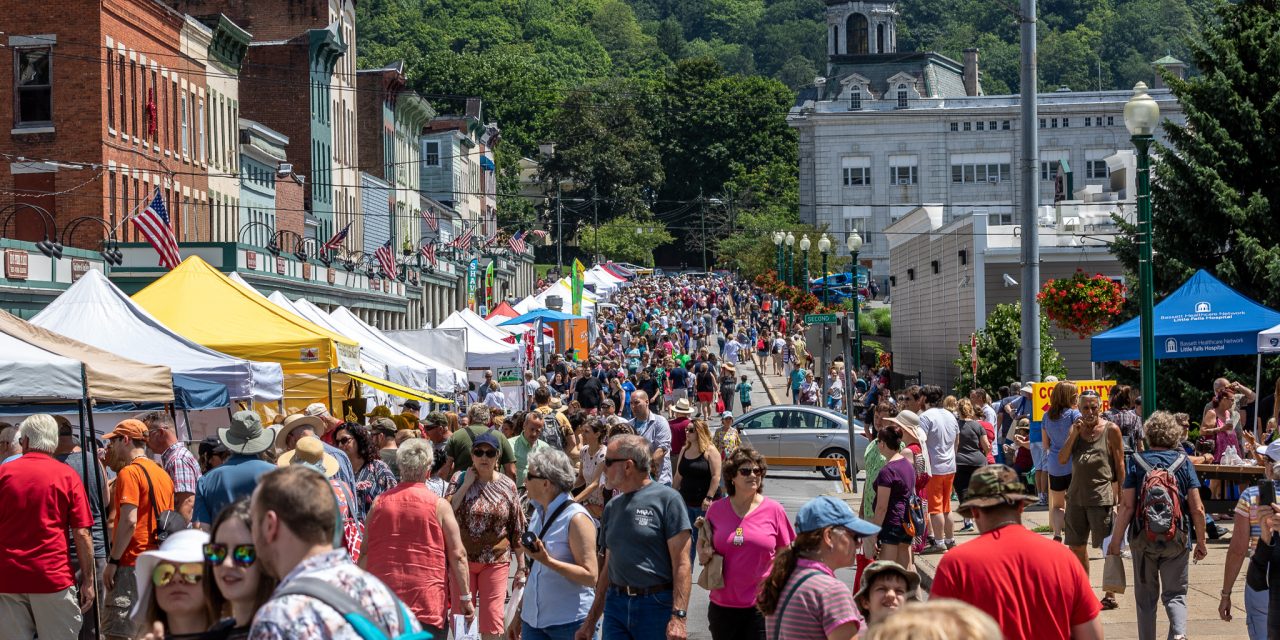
(608, 462)
(342, 441)
(188, 572)
(484, 453)
(533, 477)
(746, 472)
(242, 555)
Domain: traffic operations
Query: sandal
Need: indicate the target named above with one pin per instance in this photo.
(1109, 603)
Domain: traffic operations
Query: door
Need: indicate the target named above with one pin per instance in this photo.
(762, 430)
(807, 434)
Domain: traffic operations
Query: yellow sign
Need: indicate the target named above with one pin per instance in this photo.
(1040, 392)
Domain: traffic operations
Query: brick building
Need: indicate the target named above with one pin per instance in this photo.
(108, 106)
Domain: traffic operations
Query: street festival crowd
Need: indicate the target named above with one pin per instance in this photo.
(595, 512)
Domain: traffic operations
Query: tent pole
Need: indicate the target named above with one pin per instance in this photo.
(1257, 387)
(330, 374)
(1093, 372)
(91, 470)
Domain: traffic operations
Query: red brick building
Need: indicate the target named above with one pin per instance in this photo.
(106, 108)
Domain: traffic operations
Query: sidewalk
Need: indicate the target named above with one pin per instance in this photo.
(1202, 596)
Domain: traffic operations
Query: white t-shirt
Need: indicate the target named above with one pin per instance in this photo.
(941, 429)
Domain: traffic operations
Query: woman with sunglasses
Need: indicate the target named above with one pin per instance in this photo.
(171, 603)
(373, 476)
(747, 530)
(234, 583)
(697, 473)
(591, 475)
(802, 599)
(491, 521)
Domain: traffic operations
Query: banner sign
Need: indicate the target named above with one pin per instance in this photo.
(1040, 392)
(473, 275)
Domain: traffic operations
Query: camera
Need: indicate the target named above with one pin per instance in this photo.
(529, 540)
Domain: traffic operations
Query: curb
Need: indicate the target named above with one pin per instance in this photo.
(759, 374)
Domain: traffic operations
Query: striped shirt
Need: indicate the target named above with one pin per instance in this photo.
(182, 466)
(818, 606)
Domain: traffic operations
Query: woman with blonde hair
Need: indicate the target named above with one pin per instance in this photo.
(938, 620)
(1054, 430)
(697, 473)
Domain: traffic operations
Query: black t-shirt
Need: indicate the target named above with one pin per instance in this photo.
(1261, 412)
(650, 387)
(588, 390)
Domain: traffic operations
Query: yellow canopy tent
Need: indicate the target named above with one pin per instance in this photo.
(394, 389)
(199, 302)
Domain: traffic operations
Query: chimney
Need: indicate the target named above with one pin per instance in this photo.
(972, 86)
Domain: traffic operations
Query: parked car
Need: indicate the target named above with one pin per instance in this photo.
(803, 431)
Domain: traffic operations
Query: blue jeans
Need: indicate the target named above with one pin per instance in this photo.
(694, 514)
(554, 632)
(636, 617)
(1255, 613)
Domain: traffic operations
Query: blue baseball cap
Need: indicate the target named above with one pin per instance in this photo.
(489, 439)
(826, 511)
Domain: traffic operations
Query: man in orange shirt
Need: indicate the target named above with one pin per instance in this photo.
(142, 491)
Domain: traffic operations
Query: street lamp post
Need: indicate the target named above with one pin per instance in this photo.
(824, 246)
(548, 151)
(854, 242)
(790, 240)
(804, 248)
(1141, 115)
(777, 242)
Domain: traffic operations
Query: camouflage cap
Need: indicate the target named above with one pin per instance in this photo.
(992, 485)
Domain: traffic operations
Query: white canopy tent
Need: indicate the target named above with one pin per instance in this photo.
(445, 378)
(29, 373)
(96, 312)
(487, 347)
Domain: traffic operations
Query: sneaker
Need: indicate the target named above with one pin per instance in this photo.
(968, 526)
(951, 544)
(1044, 500)
(934, 549)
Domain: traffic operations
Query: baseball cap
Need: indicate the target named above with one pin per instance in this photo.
(436, 419)
(131, 429)
(994, 484)
(412, 405)
(383, 425)
(885, 566)
(727, 414)
(489, 439)
(316, 409)
(212, 445)
(826, 511)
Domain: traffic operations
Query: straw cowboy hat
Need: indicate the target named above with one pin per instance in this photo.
(310, 451)
(296, 421)
(682, 407)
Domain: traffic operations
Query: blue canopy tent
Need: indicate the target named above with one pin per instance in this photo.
(1202, 318)
(542, 315)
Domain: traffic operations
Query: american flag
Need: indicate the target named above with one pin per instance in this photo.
(538, 233)
(429, 216)
(429, 252)
(153, 222)
(338, 238)
(386, 259)
(463, 241)
(517, 242)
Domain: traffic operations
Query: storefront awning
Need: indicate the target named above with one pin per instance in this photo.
(387, 386)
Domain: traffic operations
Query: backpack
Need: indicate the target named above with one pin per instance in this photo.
(351, 609)
(1160, 503)
(914, 525)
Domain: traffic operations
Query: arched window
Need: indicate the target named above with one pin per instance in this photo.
(902, 96)
(856, 34)
(855, 99)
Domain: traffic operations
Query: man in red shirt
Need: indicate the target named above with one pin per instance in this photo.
(1034, 588)
(42, 499)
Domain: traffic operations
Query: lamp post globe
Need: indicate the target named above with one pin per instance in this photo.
(804, 247)
(1141, 116)
(777, 243)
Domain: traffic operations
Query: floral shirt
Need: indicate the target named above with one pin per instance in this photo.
(374, 478)
(490, 518)
(299, 616)
(726, 441)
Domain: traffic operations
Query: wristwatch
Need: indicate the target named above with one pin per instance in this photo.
(466, 597)
(115, 561)
(679, 613)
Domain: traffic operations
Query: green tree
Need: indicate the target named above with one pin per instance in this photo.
(625, 238)
(999, 345)
(1215, 197)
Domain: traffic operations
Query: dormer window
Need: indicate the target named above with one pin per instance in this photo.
(855, 99)
(902, 96)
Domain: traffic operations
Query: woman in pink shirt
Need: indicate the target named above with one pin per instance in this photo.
(747, 530)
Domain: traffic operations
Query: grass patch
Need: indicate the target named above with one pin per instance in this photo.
(1044, 528)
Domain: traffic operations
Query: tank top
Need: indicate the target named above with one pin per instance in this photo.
(695, 479)
(404, 547)
(1091, 473)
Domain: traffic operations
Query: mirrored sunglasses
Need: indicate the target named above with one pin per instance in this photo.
(242, 555)
(166, 572)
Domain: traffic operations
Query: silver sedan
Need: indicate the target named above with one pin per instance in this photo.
(801, 431)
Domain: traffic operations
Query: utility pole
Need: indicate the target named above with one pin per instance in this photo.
(559, 230)
(702, 213)
(1030, 196)
(595, 221)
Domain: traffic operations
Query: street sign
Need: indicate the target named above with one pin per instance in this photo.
(820, 318)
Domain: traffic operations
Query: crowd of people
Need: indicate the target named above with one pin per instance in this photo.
(595, 511)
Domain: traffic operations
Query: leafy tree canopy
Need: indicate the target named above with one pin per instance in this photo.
(999, 345)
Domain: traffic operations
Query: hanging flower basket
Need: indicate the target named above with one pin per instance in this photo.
(1082, 304)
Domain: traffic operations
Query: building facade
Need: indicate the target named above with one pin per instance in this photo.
(886, 132)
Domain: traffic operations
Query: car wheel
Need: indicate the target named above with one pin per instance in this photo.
(833, 473)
